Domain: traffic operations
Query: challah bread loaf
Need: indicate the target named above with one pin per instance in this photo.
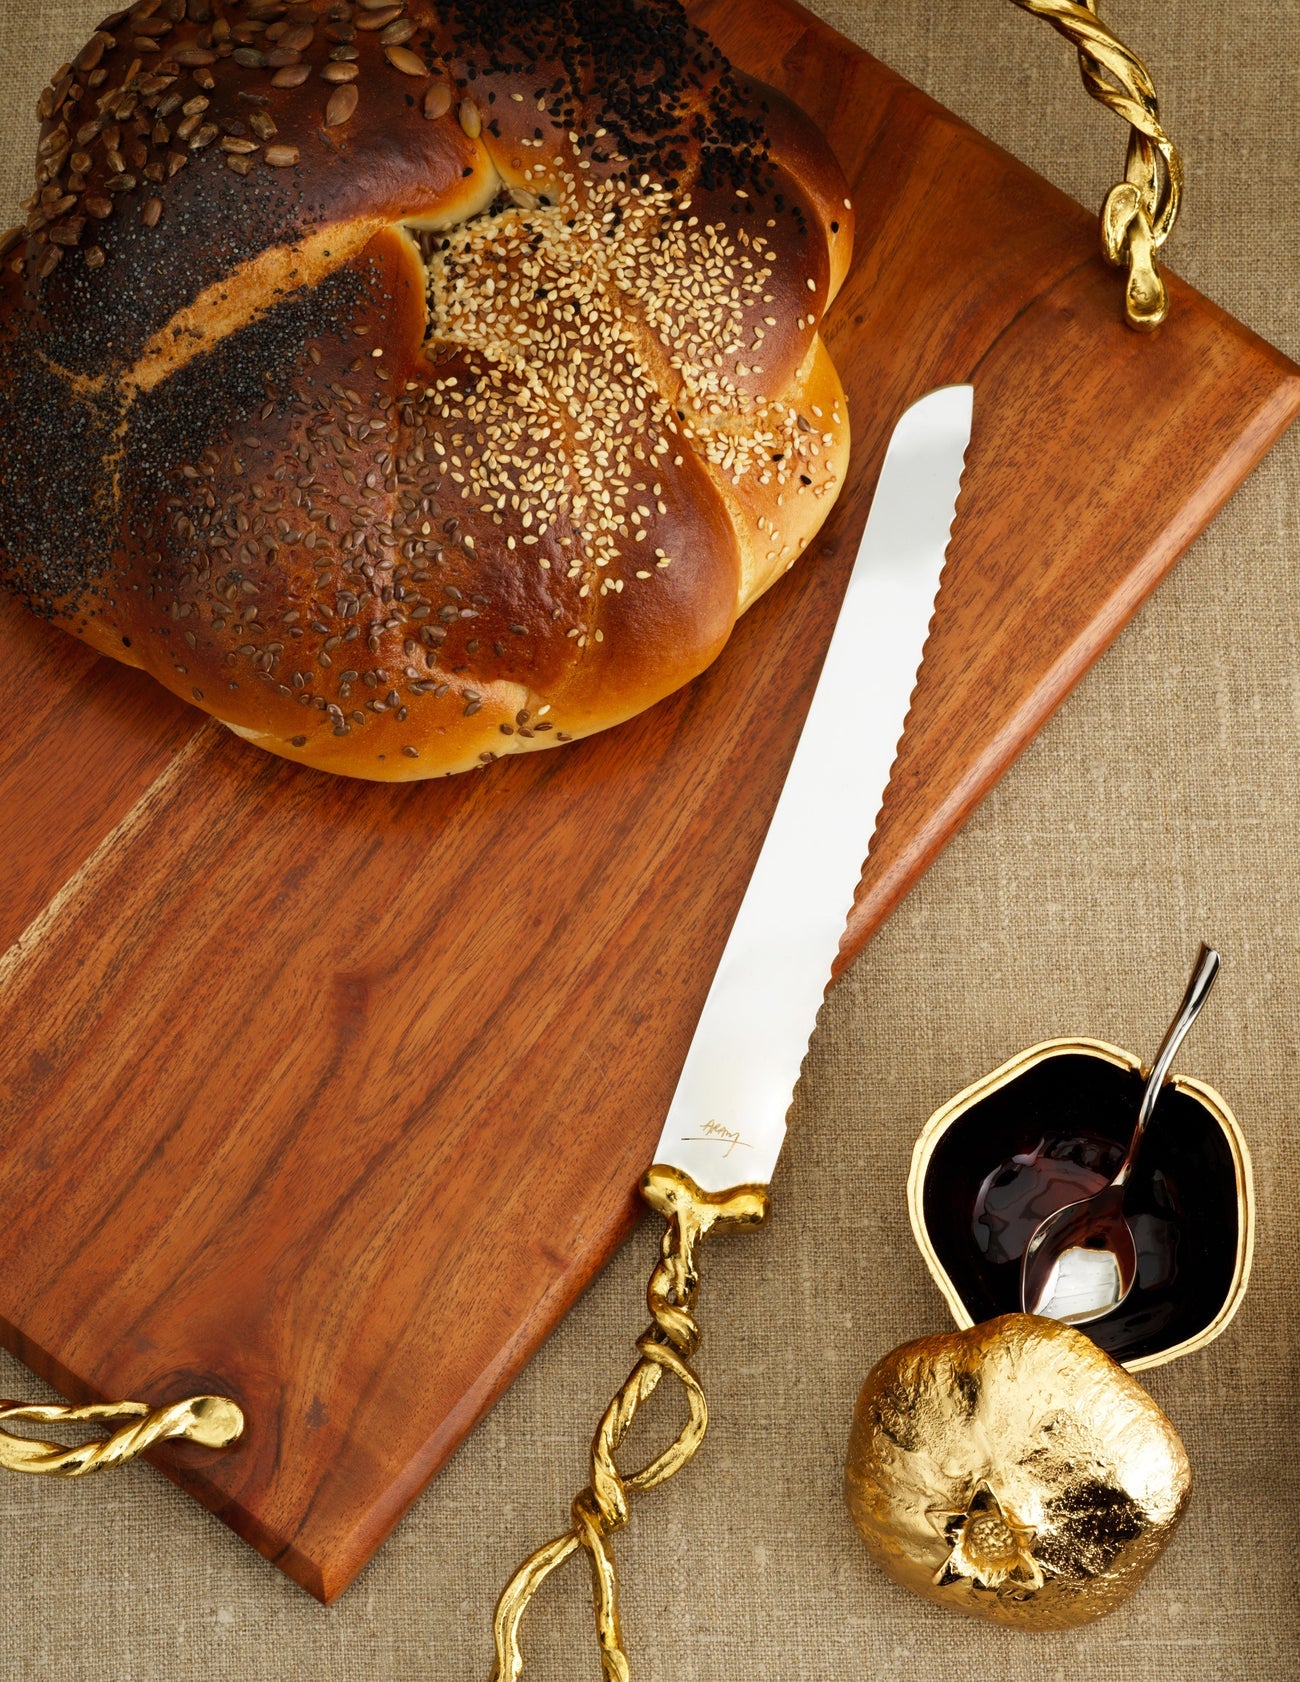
(412, 384)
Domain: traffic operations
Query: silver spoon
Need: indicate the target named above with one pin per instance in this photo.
(1081, 1262)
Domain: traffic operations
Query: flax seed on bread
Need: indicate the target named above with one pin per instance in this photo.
(413, 384)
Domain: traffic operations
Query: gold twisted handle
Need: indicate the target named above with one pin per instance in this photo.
(1140, 211)
(211, 1421)
(667, 1346)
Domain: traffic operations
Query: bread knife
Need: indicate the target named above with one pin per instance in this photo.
(727, 1121)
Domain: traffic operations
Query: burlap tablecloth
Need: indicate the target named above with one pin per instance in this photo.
(1161, 805)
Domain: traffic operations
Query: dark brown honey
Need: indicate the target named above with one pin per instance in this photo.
(1057, 1132)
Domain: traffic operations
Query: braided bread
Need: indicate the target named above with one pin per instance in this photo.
(409, 384)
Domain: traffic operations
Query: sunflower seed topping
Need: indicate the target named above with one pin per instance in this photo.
(403, 59)
(340, 106)
(437, 102)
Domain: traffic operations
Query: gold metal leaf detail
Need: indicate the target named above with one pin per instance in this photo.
(989, 1548)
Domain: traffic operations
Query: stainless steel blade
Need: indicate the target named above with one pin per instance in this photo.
(727, 1120)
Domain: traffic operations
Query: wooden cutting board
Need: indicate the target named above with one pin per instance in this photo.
(333, 1096)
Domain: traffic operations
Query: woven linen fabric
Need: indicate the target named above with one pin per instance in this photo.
(1161, 805)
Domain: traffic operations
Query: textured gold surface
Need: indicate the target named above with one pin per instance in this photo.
(603, 1506)
(211, 1421)
(1015, 1472)
(944, 1117)
(1139, 213)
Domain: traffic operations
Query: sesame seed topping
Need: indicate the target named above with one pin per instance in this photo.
(596, 340)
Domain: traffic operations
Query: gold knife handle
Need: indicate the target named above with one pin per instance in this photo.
(211, 1421)
(1140, 212)
(667, 1346)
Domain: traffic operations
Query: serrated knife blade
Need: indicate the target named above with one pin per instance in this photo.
(726, 1123)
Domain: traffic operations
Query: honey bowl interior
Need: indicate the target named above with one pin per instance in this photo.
(1052, 1127)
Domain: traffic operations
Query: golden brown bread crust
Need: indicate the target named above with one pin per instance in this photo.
(409, 384)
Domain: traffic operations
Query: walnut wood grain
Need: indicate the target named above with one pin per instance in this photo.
(90, 739)
(289, 1056)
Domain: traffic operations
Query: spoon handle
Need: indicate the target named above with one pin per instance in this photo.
(1198, 990)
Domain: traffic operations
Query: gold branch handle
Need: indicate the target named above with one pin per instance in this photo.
(666, 1347)
(1140, 211)
(212, 1421)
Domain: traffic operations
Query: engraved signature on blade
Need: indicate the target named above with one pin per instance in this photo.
(716, 1132)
